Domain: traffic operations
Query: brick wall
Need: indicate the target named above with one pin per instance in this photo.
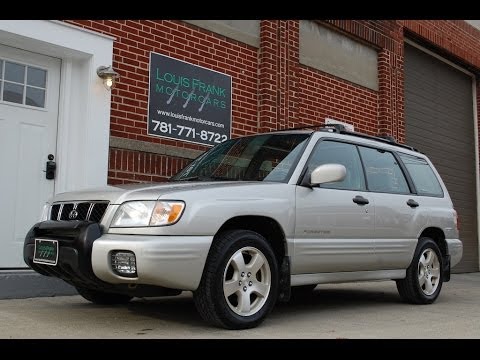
(322, 96)
(134, 41)
(127, 166)
(271, 90)
(456, 37)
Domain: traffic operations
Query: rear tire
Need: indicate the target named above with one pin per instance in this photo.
(424, 279)
(239, 285)
(103, 298)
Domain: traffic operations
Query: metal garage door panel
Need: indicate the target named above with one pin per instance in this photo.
(439, 122)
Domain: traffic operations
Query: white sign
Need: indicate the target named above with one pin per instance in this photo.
(349, 127)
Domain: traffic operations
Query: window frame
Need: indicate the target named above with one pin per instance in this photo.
(302, 180)
(304, 143)
(25, 85)
(411, 187)
(411, 179)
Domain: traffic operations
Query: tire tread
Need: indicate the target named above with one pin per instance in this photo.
(408, 288)
(205, 300)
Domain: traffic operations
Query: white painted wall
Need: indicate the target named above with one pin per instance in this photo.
(84, 108)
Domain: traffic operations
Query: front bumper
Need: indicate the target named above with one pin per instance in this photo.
(171, 261)
(75, 239)
(163, 262)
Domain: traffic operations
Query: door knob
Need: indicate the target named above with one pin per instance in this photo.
(412, 203)
(50, 167)
(360, 200)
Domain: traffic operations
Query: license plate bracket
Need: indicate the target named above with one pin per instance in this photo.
(46, 252)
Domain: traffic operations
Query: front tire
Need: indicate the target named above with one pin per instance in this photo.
(240, 281)
(424, 279)
(102, 298)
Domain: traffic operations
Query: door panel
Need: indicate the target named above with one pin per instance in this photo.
(396, 227)
(332, 233)
(28, 133)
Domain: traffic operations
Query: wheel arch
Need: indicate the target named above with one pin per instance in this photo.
(266, 226)
(437, 235)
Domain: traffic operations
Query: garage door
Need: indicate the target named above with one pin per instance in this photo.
(29, 90)
(439, 123)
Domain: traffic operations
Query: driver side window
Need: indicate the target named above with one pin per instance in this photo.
(333, 152)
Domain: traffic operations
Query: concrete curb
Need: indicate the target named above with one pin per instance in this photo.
(21, 284)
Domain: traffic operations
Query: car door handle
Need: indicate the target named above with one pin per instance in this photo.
(412, 203)
(360, 200)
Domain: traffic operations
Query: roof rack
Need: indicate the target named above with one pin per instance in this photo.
(341, 129)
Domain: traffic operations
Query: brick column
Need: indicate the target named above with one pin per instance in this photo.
(282, 75)
(267, 75)
(477, 80)
(391, 88)
(278, 79)
(293, 53)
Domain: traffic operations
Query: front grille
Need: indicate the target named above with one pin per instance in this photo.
(54, 212)
(82, 209)
(67, 208)
(90, 211)
(97, 212)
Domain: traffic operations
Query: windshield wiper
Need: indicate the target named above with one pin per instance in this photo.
(190, 178)
(204, 178)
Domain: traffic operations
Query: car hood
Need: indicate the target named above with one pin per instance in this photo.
(148, 191)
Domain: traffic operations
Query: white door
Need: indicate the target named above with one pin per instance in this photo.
(29, 90)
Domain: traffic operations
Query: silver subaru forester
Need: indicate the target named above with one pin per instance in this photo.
(254, 220)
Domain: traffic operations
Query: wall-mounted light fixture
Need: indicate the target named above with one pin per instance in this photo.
(108, 75)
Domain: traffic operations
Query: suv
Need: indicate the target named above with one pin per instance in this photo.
(254, 219)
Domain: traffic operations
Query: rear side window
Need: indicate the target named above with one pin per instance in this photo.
(422, 176)
(383, 172)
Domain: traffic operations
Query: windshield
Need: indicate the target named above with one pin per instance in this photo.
(268, 157)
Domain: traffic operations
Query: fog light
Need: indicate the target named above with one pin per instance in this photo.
(124, 263)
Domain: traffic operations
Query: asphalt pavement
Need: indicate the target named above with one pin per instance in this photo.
(334, 311)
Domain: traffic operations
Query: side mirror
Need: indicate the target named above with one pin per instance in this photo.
(327, 173)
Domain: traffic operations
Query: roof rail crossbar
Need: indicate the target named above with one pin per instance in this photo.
(322, 127)
(388, 139)
(341, 129)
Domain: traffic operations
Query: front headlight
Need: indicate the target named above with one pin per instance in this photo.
(148, 213)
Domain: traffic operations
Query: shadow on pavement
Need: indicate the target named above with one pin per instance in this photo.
(181, 309)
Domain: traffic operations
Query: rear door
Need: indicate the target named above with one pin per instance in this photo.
(396, 215)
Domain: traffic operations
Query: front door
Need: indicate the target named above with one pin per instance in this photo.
(333, 232)
(29, 91)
